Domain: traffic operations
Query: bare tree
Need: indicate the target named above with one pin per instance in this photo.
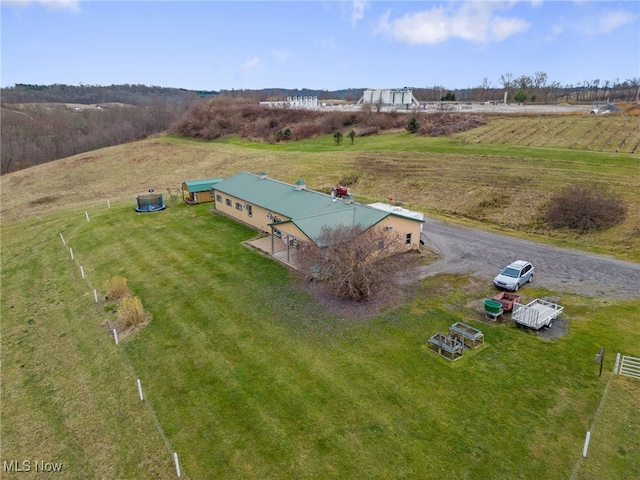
(506, 80)
(539, 81)
(595, 84)
(353, 262)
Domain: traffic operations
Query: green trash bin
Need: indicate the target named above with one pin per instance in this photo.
(491, 306)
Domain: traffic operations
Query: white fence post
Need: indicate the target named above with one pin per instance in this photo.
(175, 459)
(140, 391)
(115, 336)
(71, 252)
(95, 295)
(86, 214)
(586, 444)
(108, 204)
(63, 242)
(82, 271)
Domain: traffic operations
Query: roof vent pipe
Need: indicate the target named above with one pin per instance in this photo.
(263, 175)
(300, 185)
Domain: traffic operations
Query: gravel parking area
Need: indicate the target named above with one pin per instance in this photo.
(482, 254)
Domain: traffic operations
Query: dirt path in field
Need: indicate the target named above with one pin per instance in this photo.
(482, 254)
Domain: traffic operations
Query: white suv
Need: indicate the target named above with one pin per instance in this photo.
(514, 275)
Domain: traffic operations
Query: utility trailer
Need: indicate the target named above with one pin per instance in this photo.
(536, 314)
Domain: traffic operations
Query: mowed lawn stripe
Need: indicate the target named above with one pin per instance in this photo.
(57, 358)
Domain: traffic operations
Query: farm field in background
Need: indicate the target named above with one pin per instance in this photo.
(250, 378)
(598, 133)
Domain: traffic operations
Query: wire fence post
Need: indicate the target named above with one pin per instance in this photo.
(175, 459)
(62, 238)
(586, 445)
(71, 252)
(115, 336)
(140, 391)
(86, 214)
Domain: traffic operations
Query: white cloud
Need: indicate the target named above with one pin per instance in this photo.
(357, 11)
(327, 43)
(610, 21)
(473, 21)
(281, 55)
(70, 5)
(251, 66)
(557, 29)
(602, 22)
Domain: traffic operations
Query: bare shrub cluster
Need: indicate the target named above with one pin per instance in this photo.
(130, 314)
(584, 208)
(219, 117)
(354, 263)
(116, 289)
(444, 123)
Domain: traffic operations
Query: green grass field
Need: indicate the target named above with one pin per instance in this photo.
(247, 376)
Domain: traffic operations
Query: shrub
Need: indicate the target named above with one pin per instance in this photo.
(355, 264)
(116, 288)
(413, 125)
(307, 131)
(520, 96)
(131, 314)
(442, 124)
(584, 208)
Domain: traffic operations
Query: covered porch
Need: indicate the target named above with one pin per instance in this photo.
(284, 252)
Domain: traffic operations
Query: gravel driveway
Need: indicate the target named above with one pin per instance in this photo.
(482, 254)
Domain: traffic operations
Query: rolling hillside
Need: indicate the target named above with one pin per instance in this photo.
(495, 174)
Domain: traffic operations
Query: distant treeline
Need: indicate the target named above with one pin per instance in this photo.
(37, 133)
(96, 94)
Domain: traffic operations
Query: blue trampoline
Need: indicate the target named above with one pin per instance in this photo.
(150, 202)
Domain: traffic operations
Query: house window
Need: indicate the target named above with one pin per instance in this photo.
(238, 206)
(219, 198)
(228, 202)
(249, 212)
(407, 240)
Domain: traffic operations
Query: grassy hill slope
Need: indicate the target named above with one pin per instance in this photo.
(464, 177)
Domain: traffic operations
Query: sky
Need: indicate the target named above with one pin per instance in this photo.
(327, 45)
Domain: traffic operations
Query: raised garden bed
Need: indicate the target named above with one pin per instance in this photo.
(468, 336)
(448, 347)
(507, 300)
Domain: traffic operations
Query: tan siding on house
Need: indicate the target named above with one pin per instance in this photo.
(258, 218)
(404, 226)
(261, 221)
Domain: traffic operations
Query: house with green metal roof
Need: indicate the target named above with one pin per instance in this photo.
(295, 214)
(199, 191)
